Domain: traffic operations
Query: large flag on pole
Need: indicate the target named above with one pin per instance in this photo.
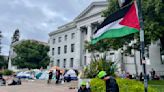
(119, 24)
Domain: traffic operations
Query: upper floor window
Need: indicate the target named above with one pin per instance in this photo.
(72, 35)
(53, 50)
(72, 47)
(65, 48)
(58, 50)
(53, 41)
(65, 37)
(59, 39)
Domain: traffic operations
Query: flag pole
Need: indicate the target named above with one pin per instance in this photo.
(142, 44)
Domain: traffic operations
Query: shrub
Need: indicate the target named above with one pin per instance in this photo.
(97, 85)
(7, 72)
(125, 85)
(95, 66)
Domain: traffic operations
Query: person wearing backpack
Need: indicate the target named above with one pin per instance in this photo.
(111, 83)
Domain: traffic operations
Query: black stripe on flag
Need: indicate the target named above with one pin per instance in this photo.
(113, 17)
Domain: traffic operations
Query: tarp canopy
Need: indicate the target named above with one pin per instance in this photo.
(44, 75)
(70, 72)
(54, 68)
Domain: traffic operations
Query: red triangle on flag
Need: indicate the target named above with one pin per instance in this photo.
(131, 18)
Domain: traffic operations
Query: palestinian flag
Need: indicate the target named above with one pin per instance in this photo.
(119, 24)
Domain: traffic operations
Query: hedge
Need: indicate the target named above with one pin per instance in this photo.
(125, 85)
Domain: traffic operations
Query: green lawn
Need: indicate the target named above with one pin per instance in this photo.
(157, 84)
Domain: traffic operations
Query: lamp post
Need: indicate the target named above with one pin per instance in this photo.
(135, 62)
(122, 58)
(122, 61)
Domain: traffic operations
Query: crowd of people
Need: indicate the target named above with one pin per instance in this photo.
(59, 76)
(110, 81)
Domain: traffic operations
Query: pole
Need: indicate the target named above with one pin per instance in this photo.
(136, 68)
(142, 44)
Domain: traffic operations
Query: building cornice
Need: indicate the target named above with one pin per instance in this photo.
(101, 3)
(63, 28)
(72, 24)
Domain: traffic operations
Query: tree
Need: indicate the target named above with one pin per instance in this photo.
(31, 54)
(3, 62)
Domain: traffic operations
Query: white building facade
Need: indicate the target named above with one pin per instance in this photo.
(73, 35)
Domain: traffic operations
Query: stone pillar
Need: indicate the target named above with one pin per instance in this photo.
(89, 32)
(79, 48)
(9, 58)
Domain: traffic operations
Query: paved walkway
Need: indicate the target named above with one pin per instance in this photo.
(39, 86)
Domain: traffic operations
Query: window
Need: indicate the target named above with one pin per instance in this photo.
(65, 37)
(72, 47)
(53, 41)
(71, 62)
(64, 63)
(85, 60)
(72, 35)
(65, 49)
(111, 53)
(58, 50)
(53, 50)
(162, 59)
(59, 39)
(58, 63)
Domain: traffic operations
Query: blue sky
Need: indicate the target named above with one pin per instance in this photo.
(36, 18)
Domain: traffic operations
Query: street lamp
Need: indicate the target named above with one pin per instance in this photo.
(122, 58)
(134, 46)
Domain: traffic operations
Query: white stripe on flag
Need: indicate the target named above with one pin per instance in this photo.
(113, 25)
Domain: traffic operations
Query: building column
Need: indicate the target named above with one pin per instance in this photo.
(79, 48)
(9, 59)
(89, 32)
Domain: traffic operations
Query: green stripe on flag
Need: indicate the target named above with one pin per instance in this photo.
(114, 33)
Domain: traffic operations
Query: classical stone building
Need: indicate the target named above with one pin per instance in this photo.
(67, 43)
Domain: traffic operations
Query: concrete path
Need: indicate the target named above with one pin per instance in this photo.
(39, 86)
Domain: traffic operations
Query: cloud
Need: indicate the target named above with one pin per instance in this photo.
(36, 18)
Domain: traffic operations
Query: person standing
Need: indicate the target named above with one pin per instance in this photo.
(50, 76)
(57, 76)
(153, 73)
(141, 77)
(111, 83)
(83, 87)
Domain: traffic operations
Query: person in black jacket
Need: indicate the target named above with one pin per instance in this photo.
(111, 84)
(83, 88)
(50, 76)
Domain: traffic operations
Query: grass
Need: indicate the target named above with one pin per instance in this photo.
(157, 84)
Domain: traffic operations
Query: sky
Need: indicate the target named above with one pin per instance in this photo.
(36, 18)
